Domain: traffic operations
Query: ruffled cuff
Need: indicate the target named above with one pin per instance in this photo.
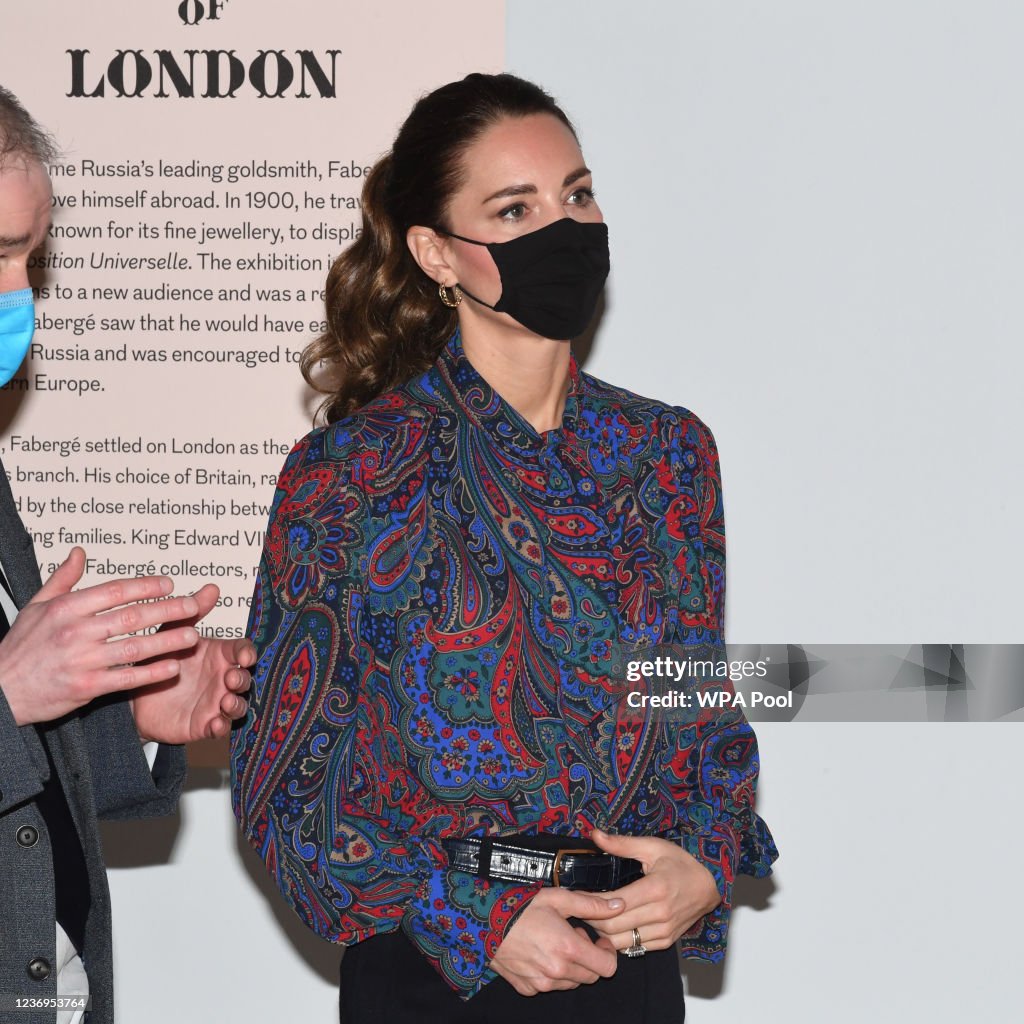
(725, 851)
(458, 920)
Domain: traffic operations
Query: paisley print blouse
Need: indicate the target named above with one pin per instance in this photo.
(441, 612)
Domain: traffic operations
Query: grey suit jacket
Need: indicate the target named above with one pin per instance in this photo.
(104, 774)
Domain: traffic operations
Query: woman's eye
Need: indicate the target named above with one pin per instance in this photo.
(582, 197)
(514, 212)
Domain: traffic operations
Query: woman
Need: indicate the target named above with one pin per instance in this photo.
(455, 568)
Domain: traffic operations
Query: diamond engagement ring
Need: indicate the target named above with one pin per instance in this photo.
(638, 948)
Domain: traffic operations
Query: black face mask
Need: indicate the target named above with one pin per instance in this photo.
(550, 278)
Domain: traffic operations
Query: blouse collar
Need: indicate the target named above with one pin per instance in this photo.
(488, 410)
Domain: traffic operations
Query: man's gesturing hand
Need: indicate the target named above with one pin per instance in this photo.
(63, 649)
(542, 951)
(207, 693)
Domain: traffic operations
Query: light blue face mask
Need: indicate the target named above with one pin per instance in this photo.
(17, 325)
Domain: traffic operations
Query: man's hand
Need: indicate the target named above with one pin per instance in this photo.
(542, 951)
(206, 696)
(62, 650)
(675, 891)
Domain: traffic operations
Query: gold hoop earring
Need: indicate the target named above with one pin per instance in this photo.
(451, 301)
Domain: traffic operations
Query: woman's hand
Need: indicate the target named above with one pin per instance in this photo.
(675, 891)
(542, 951)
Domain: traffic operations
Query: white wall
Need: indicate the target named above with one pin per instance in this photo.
(815, 216)
(200, 932)
(816, 223)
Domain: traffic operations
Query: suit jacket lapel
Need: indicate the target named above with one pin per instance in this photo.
(16, 551)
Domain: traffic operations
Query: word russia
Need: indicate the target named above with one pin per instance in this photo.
(208, 74)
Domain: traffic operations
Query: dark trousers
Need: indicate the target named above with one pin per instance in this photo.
(386, 980)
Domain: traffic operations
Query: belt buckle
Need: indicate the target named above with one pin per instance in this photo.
(556, 867)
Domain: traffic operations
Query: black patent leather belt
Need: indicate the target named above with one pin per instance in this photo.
(565, 861)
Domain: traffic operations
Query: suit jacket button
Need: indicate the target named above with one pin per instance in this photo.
(27, 836)
(39, 969)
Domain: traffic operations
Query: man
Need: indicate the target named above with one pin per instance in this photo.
(81, 689)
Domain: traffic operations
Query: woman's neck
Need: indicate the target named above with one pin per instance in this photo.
(528, 372)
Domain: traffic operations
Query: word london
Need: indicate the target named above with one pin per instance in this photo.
(219, 74)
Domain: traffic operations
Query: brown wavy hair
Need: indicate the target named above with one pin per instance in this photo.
(385, 322)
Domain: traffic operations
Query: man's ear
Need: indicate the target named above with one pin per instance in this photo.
(428, 250)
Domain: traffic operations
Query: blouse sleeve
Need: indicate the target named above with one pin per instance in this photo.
(351, 839)
(714, 769)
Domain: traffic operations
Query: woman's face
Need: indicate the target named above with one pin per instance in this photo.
(522, 174)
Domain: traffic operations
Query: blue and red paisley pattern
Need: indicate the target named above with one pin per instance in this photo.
(443, 610)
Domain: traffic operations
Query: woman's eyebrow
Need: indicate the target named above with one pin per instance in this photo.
(512, 190)
(580, 172)
(525, 190)
(13, 243)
